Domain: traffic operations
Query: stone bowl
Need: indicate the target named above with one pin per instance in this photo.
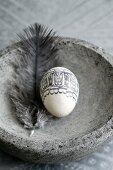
(72, 137)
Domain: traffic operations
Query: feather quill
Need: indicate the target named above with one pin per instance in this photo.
(37, 53)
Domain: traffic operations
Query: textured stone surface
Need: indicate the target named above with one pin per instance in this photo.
(83, 19)
(72, 137)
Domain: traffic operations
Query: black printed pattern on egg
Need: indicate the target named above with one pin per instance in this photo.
(59, 80)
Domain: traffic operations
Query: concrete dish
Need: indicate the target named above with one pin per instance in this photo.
(87, 127)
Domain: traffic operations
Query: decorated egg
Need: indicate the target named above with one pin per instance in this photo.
(59, 90)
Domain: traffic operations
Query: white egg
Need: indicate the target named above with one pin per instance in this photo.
(59, 90)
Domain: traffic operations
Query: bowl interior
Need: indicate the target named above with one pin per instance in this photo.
(94, 107)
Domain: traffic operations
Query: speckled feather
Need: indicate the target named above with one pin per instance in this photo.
(37, 48)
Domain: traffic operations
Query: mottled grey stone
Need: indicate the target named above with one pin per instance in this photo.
(76, 135)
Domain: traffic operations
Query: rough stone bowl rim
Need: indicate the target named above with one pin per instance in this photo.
(96, 137)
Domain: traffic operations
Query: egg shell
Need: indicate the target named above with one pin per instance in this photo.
(59, 90)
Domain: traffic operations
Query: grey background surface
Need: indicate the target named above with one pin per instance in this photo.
(84, 19)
